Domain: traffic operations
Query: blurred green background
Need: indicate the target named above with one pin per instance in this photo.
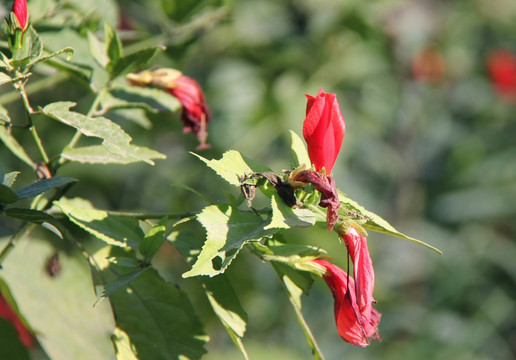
(429, 147)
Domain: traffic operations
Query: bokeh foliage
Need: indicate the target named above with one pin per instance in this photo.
(436, 158)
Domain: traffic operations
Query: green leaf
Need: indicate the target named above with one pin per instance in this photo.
(121, 281)
(225, 304)
(233, 166)
(129, 63)
(149, 99)
(101, 154)
(12, 144)
(123, 346)
(115, 139)
(285, 217)
(10, 345)
(113, 44)
(153, 239)
(41, 186)
(31, 215)
(7, 195)
(157, 317)
(9, 178)
(296, 283)
(227, 231)
(298, 151)
(97, 50)
(60, 308)
(109, 228)
(377, 223)
(80, 71)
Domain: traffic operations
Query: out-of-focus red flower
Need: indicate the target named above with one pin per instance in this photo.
(196, 114)
(356, 326)
(501, 66)
(6, 312)
(20, 11)
(323, 130)
(363, 271)
(429, 65)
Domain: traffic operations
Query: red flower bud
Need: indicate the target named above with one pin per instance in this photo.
(20, 11)
(355, 326)
(323, 130)
(501, 66)
(6, 312)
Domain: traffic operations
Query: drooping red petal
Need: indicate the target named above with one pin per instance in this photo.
(363, 271)
(323, 130)
(355, 326)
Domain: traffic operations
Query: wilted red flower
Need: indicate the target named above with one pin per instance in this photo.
(363, 271)
(356, 326)
(428, 65)
(196, 114)
(501, 66)
(20, 11)
(6, 312)
(329, 195)
(323, 130)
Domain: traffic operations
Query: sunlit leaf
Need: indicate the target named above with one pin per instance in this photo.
(233, 166)
(377, 223)
(227, 230)
(109, 228)
(299, 154)
(285, 217)
(114, 138)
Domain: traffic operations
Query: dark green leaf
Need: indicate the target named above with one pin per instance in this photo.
(157, 317)
(7, 195)
(35, 216)
(150, 99)
(41, 186)
(113, 44)
(121, 281)
(153, 239)
(129, 63)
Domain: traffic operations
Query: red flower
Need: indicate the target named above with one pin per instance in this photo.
(356, 326)
(196, 114)
(323, 130)
(6, 312)
(195, 111)
(20, 11)
(501, 66)
(363, 271)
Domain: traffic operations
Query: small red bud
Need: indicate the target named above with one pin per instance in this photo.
(20, 11)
